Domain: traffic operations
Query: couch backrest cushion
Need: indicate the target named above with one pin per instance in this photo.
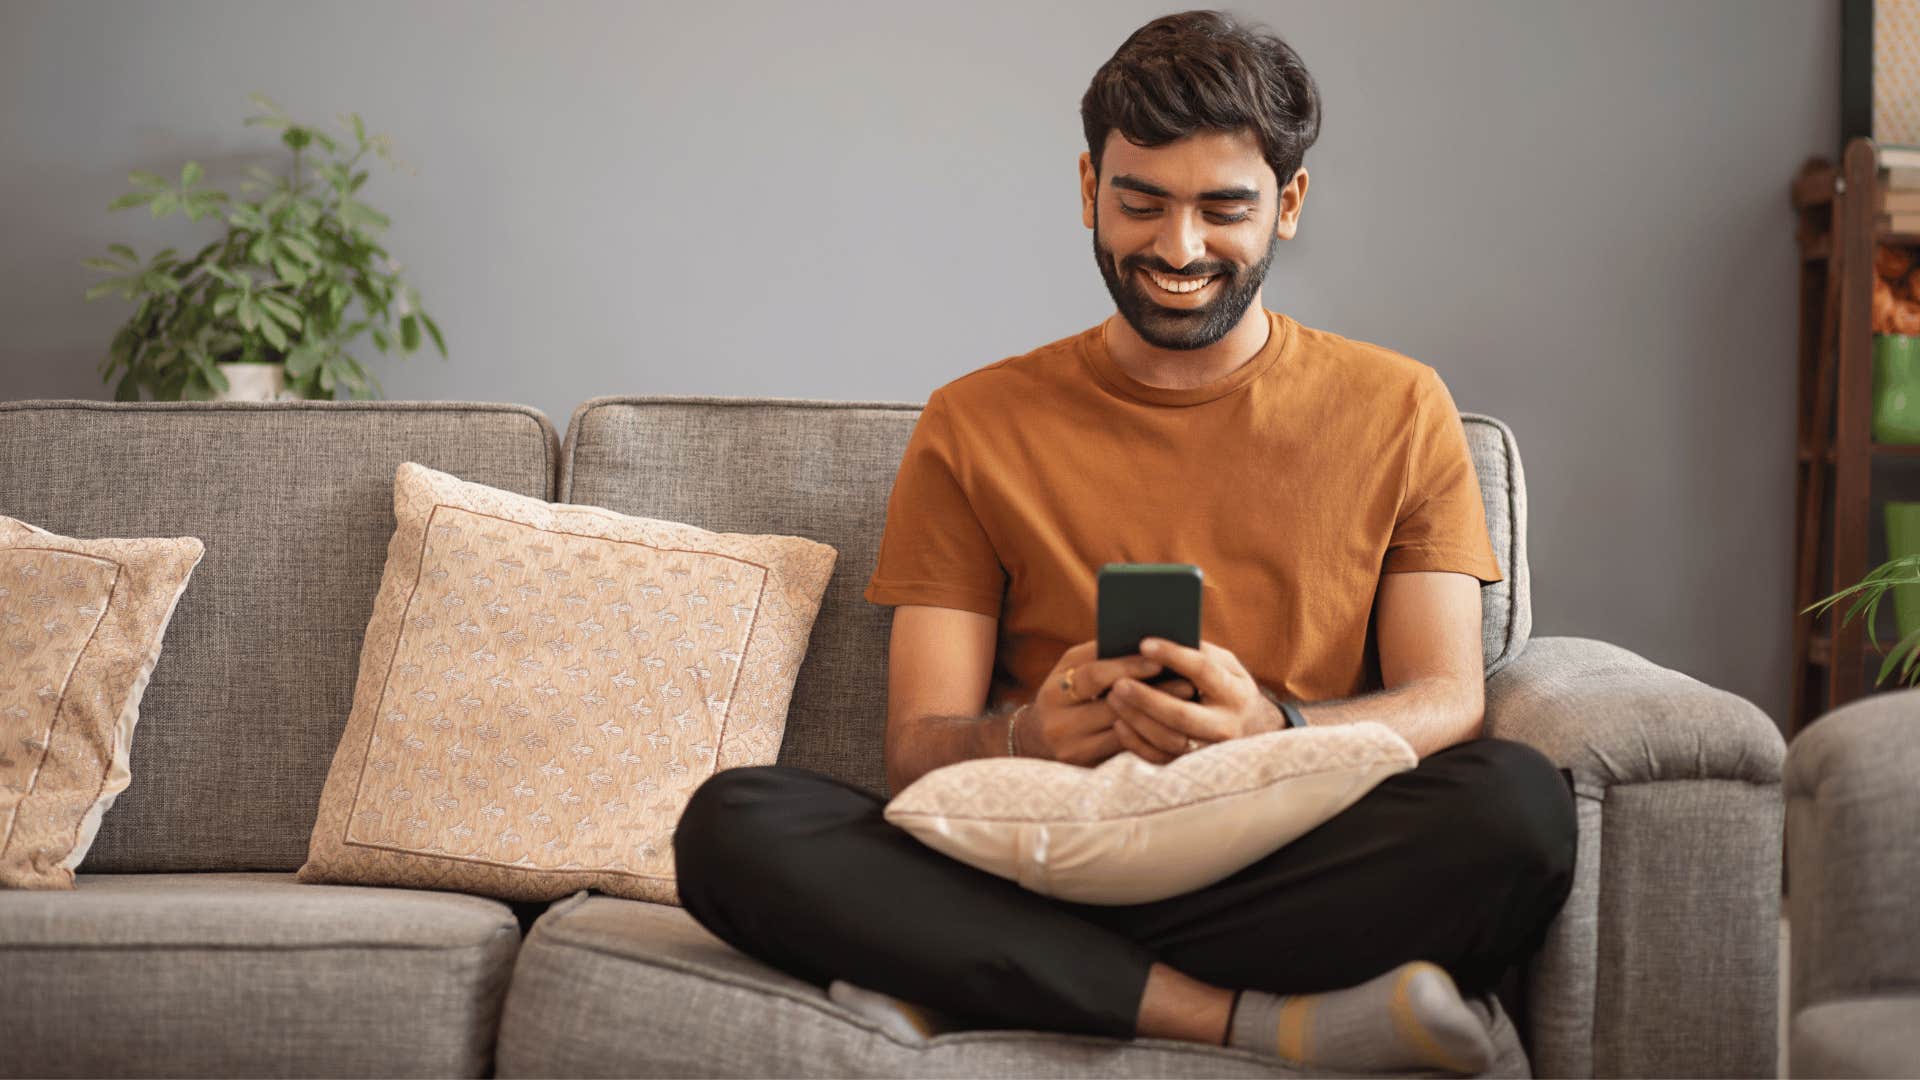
(823, 470)
(294, 502)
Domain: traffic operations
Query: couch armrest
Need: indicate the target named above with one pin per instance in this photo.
(1665, 960)
(1853, 802)
(1613, 717)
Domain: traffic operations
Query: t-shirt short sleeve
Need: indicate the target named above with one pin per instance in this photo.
(934, 550)
(1442, 524)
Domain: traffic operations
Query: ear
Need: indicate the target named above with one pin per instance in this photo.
(1089, 188)
(1292, 198)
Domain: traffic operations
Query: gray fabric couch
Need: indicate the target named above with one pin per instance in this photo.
(1853, 855)
(188, 948)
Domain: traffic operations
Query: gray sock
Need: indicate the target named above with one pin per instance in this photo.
(910, 1023)
(1412, 1016)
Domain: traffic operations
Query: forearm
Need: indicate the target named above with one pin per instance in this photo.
(1431, 714)
(932, 741)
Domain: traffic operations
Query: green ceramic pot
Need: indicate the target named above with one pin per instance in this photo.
(1903, 538)
(1896, 388)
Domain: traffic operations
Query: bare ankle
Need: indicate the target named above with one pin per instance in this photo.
(1178, 1006)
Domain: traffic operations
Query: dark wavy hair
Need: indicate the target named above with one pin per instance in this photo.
(1202, 71)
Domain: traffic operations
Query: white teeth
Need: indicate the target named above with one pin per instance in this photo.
(1179, 285)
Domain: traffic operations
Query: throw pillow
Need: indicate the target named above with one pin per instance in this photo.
(542, 686)
(81, 622)
(1130, 832)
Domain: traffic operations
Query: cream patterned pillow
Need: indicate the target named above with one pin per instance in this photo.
(81, 622)
(1130, 832)
(542, 686)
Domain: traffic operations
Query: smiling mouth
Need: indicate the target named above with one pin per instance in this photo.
(1178, 286)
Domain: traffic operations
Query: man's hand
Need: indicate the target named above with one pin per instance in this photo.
(1070, 718)
(1156, 725)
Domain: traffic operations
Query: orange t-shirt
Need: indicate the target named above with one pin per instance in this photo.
(1293, 482)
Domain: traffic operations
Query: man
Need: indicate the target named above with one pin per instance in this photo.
(1325, 488)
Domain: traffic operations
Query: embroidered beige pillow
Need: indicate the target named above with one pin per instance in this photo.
(1128, 831)
(81, 622)
(542, 686)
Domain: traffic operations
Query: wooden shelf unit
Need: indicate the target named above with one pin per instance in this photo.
(1839, 226)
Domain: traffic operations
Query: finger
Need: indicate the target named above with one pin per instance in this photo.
(1094, 678)
(1162, 737)
(1097, 748)
(1225, 657)
(1207, 676)
(1142, 748)
(1184, 717)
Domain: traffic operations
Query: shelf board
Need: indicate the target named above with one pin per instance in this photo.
(1820, 648)
(1885, 450)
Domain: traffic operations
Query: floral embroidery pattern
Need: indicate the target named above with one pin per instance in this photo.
(554, 699)
(543, 686)
(50, 603)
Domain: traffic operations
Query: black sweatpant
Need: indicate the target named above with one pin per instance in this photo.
(1463, 861)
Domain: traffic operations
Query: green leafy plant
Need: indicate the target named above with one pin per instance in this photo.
(1868, 593)
(297, 279)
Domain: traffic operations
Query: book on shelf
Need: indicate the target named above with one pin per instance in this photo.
(1904, 224)
(1900, 179)
(1898, 156)
(1897, 201)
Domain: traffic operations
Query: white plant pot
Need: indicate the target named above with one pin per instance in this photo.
(254, 382)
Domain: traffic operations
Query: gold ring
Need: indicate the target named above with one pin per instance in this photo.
(1192, 744)
(1066, 684)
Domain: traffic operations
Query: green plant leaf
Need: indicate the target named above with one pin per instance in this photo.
(249, 317)
(264, 102)
(133, 198)
(128, 389)
(433, 331)
(301, 250)
(289, 270)
(409, 333)
(147, 179)
(270, 330)
(296, 137)
(302, 361)
(191, 174)
(97, 263)
(281, 310)
(104, 288)
(124, 252)
(164, 203)
(196, 390)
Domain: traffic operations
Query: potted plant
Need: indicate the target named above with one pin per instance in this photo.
(274, 304)
(1890, 575)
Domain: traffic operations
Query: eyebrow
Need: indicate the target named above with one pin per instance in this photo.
(1233, 194)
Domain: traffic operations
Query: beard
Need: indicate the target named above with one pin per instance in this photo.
(1180, 328)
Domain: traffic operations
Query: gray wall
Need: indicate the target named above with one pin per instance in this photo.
(1577, 212)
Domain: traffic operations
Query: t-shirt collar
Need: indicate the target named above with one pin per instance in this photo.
(1093, 350)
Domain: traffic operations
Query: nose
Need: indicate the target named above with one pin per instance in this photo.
(1179, 241)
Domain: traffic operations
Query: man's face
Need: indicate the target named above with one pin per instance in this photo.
(1184, 233)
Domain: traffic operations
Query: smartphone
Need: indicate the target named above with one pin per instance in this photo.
(1142, 600)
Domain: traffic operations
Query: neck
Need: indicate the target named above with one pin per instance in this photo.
(1178, 369)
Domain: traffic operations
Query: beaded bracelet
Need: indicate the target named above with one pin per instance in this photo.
(1013, 746)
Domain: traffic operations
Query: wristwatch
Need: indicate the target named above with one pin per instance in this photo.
(1295, 718)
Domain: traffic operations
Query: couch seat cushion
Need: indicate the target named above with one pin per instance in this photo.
(610, 987)
(240, 974)
(1877, 1036)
